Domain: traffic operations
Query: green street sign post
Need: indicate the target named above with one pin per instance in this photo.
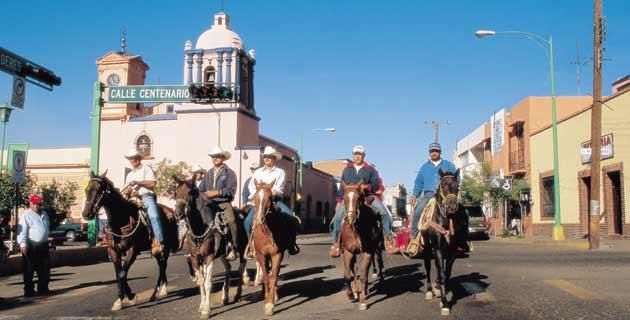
(147, 94)
(97, 103)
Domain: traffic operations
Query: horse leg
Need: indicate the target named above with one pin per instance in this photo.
(381, 267)
(268, 302)
(163, 291)
(200, 277)
(427, 267)
(242, 270)
(160, 261)
(347, 274)
(366, 261)
(207, 285)
(121, 287)
(276, 261)
(258, 280)
(132, 299)
(440, 267)
(225, 292)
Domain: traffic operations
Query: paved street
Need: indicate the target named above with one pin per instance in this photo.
(500, 280)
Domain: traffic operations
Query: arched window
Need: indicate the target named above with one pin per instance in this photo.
(209, 75)
(143, 145)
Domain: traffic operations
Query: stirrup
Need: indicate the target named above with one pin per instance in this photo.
(414, 246)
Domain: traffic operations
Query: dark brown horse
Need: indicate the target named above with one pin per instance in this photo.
(206, 244)
(360, 235)
(269, 240)
(127, 236)
(439, 237)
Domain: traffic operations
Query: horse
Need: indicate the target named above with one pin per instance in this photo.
(269, 240)
(438, 231)
(360, 234)
(205, 244)
(127, 236)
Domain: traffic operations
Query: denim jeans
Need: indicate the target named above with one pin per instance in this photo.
(249, 220)
(377, 206)
(150, 204)
(417, 212)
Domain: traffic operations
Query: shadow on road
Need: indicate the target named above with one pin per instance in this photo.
(463, 286)
(398, 280)
(306, 290)
(296, 274)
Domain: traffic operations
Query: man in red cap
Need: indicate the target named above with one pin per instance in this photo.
(32, 237)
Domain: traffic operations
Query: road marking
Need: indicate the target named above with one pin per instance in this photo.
(572, 289)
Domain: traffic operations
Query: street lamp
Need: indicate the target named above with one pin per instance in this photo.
(301, 155)
(5, 113)
(547, 45)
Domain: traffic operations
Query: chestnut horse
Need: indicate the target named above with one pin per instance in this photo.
(440, 237)
(360, 235)
(206, 244)
(127, 236)
(269, 240)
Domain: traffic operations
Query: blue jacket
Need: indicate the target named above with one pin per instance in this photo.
(428, 177)
(366, 173)
(225, 184)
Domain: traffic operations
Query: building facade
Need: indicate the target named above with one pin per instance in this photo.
(574, 138)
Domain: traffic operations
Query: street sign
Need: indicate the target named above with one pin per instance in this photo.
(144, 94)
(13, 147)
(18, 174)
(19, 92)
(496, 182)
(16, 65)
(11, 63)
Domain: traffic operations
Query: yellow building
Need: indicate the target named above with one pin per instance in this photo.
(574, 157)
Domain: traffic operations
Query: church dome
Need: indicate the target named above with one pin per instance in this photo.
(220, 35)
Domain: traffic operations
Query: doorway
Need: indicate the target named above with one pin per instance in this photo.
(616, 197)
(585, 200)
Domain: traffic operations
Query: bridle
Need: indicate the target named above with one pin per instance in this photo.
(445, 199)
(103, 188)
(260, 218)
(186, 204)
(352, 214)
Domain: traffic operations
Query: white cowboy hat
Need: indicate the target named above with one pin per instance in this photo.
(218, 151)
(198, 168)
(271, 151)
(358, 149)
(132, 153)
(254, 166)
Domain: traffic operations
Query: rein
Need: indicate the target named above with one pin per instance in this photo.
(97, 206)
(195, 237)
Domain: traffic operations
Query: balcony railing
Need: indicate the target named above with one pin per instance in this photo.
(517, 160)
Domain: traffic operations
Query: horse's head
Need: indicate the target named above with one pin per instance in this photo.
(186, 194)
(448, 191)
(352, 193)
(263, 198)
(97, 190)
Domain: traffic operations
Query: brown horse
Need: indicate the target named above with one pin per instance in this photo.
(206, 244)
(359, 236)
(269, 240)
(127, 236)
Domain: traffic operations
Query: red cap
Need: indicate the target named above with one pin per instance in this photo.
(35, 199)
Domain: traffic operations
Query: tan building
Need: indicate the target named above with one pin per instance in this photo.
(574, 157)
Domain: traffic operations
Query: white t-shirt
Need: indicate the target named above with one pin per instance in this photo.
(436, 163)
(141, 173)
(358, 167)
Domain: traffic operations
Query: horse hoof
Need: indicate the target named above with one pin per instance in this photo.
(269, 309)
(437, 292)
(246, 281)
(117, 305)
(257, 283)
(375, 276)
(204, 314)
(363, 306)
(445, 311)
(163, 292)
(428, 295)
(133, 301)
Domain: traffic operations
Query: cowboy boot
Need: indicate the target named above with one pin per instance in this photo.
(182, 230)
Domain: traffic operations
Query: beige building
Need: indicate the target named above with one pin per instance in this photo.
(574, 157)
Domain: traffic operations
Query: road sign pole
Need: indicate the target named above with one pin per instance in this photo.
(94, 154)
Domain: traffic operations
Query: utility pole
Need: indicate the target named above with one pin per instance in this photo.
(436, 127)
(596, 127)
(579, 63)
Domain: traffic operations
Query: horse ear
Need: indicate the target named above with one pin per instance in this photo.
(457, 173)
(441, 172)
(104, 173)
(177, 179)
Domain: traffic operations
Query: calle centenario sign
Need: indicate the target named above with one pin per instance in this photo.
(145, 94)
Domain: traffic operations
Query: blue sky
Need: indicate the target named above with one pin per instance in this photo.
(375, 70)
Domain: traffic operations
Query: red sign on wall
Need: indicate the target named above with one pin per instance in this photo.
(607, 151)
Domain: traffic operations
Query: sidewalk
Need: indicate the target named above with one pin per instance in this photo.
(72, 256)
(578, 244)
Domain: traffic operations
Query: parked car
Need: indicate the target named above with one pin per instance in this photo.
(70, 231)
(477, 227)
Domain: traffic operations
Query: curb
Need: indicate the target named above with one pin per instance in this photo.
(573, 244)
(59, 258)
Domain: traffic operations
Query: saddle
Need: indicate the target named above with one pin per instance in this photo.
(416, 244)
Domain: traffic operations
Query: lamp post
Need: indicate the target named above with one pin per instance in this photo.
(547, 45)
(5, 113)
(301, 167)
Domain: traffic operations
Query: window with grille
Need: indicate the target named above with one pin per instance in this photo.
(143, 145)
(547, 197)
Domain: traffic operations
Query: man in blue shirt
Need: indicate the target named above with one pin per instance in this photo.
(32, 238)
(427, 182)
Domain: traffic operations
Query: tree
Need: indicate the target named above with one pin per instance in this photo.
(166, 172)
(7, 193)
(57, 199)
(474, 184)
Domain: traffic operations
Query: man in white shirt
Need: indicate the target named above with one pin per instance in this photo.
(267, 174)
(141, 180)
(33, 229)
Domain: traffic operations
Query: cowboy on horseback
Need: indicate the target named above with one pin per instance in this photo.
(427, 182)
(356, 172)
(217, 191)
(141, 182)
(270, 173)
